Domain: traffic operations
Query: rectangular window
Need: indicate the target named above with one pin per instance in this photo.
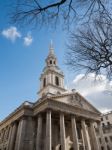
(111, 138)
(108, 123)
(103, 124)
(106, 139)
(106, 117)
(101, 119)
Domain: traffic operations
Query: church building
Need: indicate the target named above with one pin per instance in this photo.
(58, 120)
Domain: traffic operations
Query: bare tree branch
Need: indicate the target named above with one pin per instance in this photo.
(37, 12)
(91, 48)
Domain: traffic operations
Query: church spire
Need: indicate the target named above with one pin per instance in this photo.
(52, 78)
(51, 48)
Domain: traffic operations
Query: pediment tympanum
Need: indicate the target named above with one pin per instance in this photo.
(77, 100)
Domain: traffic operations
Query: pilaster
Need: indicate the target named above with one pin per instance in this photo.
(62, 132)
(39, 132)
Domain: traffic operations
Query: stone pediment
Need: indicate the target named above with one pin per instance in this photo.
(76, 99)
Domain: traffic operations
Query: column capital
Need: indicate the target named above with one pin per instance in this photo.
(23, 118)
(92, 121)
(83, 120)
(13, 123)
(61, 113)
(73, 116)
(48, 110)
(38, 115)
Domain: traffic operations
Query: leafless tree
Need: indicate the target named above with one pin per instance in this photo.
(40, 12)
(90, 49)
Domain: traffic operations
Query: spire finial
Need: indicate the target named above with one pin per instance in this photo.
(51, 49)
(51, 44)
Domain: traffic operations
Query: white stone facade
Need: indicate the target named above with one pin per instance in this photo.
(59, 120)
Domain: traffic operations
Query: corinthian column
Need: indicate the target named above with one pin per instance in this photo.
(62, 132)
(39, 132)
(21, 134)
(9, 137)
(13, 136)
(93, 136)
(48, 130)
(86, 136)
(74, 133)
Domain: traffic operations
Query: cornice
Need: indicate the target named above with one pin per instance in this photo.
(73, 93)
(52, 86)
(23, 110)
(52, 71)
(49, 103)
(66, 108)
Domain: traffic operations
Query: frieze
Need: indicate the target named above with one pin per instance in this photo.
(71, 109)
(76, 100)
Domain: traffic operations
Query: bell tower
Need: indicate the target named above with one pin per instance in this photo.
(52, 78)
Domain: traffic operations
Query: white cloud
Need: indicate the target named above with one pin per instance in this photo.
(105, 110)
(28, 40)
(98, 92)
(11, 33)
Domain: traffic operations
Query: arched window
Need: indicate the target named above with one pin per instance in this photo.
(44, 82)
(50, 61)
(57, 81)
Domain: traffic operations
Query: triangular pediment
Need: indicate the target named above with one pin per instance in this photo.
(75, 99)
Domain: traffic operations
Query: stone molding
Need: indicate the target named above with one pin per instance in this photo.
(66, 108)
(46, 104)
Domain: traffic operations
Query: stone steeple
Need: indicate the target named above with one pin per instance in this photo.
(51, 59)
(52, 78)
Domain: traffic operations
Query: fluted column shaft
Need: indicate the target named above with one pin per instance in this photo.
(13, 137)
(62, 132)
(10, 135)
(21, 134)
(48, 130)
(82, 134)
(86, 138)
(74, 133)
(39, 132)
(3, 134)
(93, 136)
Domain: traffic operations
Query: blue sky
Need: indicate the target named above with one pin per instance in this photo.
(22, 58)
(21, 65)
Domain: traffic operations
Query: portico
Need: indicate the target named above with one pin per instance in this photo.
(67, 130)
